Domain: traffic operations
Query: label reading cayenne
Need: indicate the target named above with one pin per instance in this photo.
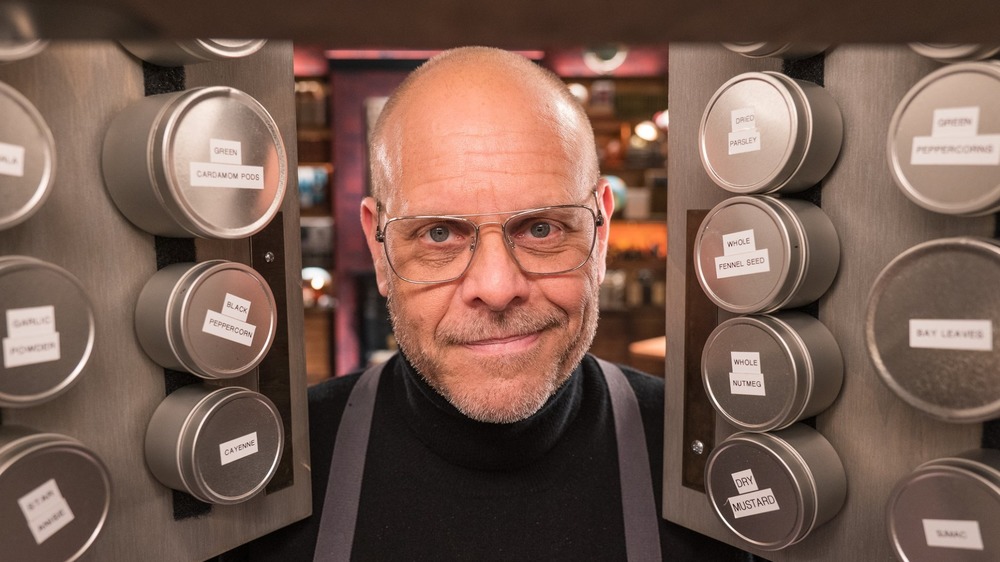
(236, 449)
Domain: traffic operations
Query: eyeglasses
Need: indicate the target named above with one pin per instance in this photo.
(428, 249)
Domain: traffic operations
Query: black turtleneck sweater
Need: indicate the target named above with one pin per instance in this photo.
(439, 486)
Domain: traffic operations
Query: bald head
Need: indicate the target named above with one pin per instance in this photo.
(493, 92)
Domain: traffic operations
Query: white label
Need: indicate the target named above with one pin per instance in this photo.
(30, 350)
(745, 361)
(968, 335)
(235, 176)
(744, 141)
(745, 482)
(11, 160)
(955, 122)
(953, 534)
(31, 321)
(982, 150)
(754, 503)
(46, 511)
(747, 384)
(738, 242)
(238, 448)
(742, 264)
(225, 151)
(742, 119)
(235, 307)
(228, 328)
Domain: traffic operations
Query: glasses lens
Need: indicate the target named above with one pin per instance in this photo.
(429, 249)
(552, 240)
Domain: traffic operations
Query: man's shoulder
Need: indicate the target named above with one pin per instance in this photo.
(648, 388)
(333, 390)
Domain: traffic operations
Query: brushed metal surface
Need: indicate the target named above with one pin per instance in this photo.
(878, 437)
(79, 88)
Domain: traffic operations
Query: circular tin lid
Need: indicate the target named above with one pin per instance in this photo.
(757, 372)
(944, 140)
(27, 158)
(223, 319)
(231, 446)
(947, 510)
(11, 50)
(787, 51)
(755, 132)
(761, 490)
(192, 51)
(47, 330)
(930, 330)
(748, 254)
(955, 52)
(54, 497)
(219, 163)
(222, 49)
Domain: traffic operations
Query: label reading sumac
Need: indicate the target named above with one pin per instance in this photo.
(967, 335)
(949, 533)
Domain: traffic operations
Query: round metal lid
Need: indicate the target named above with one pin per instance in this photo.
(12, 50)
(748, 254)
(930, 328)
(27, 158)
(756, 372)
(47, 330)
(761, 49)
(754, 132)
(226, 319)
(946, 510)
(955, 52)
(54, 498)
(944, 140)
(221, 49)
(232, 445)
(220, 163)
(761, 490)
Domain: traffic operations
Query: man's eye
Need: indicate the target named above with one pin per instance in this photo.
(540, 229)
(439, 233)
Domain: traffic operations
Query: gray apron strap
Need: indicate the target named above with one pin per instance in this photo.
(642, 525)
(343, 489)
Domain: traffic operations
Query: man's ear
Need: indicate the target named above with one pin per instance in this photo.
(369, 223)
(606, 205)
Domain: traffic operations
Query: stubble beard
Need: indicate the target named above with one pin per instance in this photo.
(516, 386)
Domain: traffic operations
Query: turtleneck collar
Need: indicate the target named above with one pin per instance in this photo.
(480, 445)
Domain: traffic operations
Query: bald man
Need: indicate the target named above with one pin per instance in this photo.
(492, 435)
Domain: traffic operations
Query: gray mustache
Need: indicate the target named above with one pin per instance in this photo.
(503, 324)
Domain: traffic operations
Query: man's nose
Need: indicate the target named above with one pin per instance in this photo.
(494, 277)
